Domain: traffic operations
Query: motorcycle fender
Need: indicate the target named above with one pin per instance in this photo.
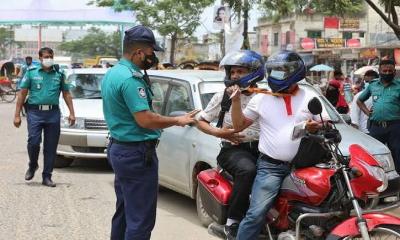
(349, 227)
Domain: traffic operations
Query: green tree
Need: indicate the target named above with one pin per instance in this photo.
(6, 40)
(173, 18)
(389, 15)
(96, 42)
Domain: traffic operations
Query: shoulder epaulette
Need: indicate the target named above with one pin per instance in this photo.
(137, 74)
(31, 68)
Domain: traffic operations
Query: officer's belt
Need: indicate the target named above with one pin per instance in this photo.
(384, 124)
(42, 107)
(151, 143)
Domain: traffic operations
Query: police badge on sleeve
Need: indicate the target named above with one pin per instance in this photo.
(142, 92)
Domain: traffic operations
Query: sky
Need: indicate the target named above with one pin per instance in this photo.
(206, 25)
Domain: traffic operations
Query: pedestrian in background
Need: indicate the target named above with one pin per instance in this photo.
(134, 130)
(44, 84)
(359, 119)
(24, 68)
(335, 92)
(385, 112)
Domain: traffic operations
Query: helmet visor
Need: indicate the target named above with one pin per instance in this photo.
(281, 70)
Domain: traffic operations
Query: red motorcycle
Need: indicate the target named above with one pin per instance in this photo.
(323, 201)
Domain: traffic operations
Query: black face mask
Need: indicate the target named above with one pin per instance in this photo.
(387, 77)
(149, 61)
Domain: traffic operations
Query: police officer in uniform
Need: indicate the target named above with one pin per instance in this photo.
(44, 84)
(384, 115)
(134, 130)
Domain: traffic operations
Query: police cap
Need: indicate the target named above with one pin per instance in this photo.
(142, 34)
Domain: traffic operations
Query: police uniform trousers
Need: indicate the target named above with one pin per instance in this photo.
(240, 162)
(48, 122)
(136, 189)
(388, 132)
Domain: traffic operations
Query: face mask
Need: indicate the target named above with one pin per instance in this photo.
(387, 77)
(47, 62)
(149, 61)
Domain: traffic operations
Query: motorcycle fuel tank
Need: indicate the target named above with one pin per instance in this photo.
(310, 185)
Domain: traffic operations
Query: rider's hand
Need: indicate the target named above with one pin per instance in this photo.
(234, 92)
(188, 118)
(17, 121)
(313, 126)
(230, 134)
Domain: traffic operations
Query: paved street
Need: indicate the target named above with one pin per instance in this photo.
(82, 204)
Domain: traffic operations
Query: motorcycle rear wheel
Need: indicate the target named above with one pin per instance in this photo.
(389, 232)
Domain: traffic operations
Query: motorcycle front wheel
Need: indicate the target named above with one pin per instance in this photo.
(389, 232)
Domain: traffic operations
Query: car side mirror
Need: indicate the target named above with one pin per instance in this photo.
(346, 118)
(315, 106)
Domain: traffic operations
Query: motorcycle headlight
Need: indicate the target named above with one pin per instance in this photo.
(380, 174)
(79, 123)
(386, 161)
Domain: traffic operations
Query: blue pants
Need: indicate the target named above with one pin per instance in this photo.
(265, 189)
(47, 122)
(136, 188)
(389, 135)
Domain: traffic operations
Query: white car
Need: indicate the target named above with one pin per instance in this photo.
(183, 152)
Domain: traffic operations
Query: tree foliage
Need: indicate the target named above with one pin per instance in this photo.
(96, 42)
(171, 18)
(389, 14)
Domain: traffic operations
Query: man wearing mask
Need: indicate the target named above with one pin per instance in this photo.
(134, 132)
(385, 113)
(358, 118)
(44, 84)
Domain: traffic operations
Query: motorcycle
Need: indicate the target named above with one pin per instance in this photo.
(323, 201)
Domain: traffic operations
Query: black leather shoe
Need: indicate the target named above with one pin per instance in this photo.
(231, 231)
(30, 173)
(47, 182)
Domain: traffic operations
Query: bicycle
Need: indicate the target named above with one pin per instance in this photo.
(7, 92)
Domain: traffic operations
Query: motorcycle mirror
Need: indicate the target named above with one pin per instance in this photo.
(315, 106)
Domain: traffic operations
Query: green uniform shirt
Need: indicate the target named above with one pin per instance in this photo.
(385, 100)
(44, 87)
(124, 93)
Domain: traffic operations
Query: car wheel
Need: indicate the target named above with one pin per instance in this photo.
(205, 219)
(62, 162)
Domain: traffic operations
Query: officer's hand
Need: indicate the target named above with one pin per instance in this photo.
(17, 121)
(188, 118)
(71, 120)
(234, 92)
(313, 126)
(231, 135)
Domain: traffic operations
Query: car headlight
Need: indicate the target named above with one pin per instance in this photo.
(380, 174)
(386, 161)
(79, 123)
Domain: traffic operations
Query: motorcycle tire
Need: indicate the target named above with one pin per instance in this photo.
(380, 232)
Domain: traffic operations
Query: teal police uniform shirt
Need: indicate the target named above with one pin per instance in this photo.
(124, 93)
(44, 87)
(385, 100)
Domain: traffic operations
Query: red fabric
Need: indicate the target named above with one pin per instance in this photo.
(288, 104)
(331, 22)
(339, 85)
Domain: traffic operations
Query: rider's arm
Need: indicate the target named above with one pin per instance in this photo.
(205, 127)
(239, 120)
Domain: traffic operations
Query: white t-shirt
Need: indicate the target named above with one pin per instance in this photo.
(357, 116)
(277, 119)
(211, 113)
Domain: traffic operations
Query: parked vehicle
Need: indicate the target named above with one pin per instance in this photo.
(183, 151)
(321, 201)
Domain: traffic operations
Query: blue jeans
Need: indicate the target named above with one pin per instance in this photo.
(265, 189)
(136, 189)
(47, 122)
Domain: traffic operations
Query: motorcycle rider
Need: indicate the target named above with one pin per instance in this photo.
(279, 115)
(239, 151)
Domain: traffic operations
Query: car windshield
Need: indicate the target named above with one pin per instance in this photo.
(86, 86)
(207, 91)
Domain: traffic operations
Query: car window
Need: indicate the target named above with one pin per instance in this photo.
(179, 100)
(160, 90)
(207, 91)
(85, 85)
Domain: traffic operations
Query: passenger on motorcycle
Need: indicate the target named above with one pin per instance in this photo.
(239, 151)
(278, 115)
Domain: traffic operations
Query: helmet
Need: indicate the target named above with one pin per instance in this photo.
(284, 69)
(243, 58)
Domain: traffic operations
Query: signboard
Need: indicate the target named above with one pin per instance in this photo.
(350, 23)
(330, 42)
(354, 42)
(368, 53)
(397, 56)
(307, 43)
(221, 16)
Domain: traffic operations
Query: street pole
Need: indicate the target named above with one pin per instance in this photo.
(40, 37)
